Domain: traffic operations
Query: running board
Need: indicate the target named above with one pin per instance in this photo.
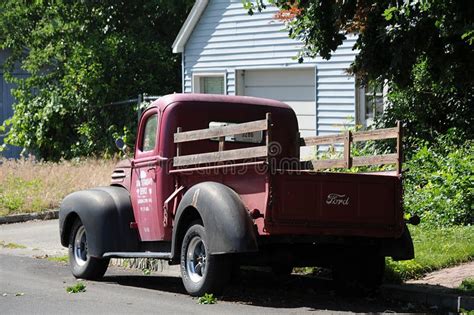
(137, 255)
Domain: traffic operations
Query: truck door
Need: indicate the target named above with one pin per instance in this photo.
(144, 178)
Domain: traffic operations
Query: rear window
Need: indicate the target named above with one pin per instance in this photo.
(248, 137)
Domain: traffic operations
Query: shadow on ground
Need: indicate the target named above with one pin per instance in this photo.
(266, 290)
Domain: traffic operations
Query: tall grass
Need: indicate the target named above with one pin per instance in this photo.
(31, 186)
(435, 248)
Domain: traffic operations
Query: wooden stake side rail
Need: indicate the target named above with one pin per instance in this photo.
(221, 132)
(218, 132)
(347, 138)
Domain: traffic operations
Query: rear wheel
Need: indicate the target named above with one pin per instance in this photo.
(202, 272)
(358, 277)
(82, 265)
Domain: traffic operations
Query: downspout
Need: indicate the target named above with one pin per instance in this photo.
(182, 71)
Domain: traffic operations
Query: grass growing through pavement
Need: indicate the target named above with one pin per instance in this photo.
(207, 299)
(11, 245)
(61, 259)
(435, 248)
(29, 186)
(77, 288)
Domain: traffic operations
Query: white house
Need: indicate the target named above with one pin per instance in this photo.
(226, 51)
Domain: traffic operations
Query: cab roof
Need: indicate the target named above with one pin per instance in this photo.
(163, 102)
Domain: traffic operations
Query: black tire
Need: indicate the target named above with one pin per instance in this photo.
(358, 277)
(198, 277)
(82, 265)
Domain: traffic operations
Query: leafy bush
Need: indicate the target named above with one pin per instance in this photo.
(80, 57)
(439, 182)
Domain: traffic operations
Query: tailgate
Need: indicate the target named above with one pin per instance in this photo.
(337, 204)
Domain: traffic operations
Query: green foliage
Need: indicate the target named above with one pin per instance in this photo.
(430, 107)
(207, 299)
(77, 288)
(435, 248)
(392, 34)
(439, 183)
(467, 285)
(81, 56)
(422, 49)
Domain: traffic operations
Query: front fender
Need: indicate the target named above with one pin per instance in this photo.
(106, 213)
(228, 225)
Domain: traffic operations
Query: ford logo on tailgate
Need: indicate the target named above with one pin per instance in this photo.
(337, 199)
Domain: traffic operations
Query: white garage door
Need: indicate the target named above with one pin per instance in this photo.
(295, 87)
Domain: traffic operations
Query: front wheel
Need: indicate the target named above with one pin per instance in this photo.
(202, 272)
(82, 265)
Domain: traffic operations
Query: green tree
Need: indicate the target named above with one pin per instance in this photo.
(423, 48)
(81, 55)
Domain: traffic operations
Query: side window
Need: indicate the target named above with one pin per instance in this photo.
(149, 134)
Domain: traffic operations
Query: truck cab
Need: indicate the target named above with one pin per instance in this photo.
(217, 181)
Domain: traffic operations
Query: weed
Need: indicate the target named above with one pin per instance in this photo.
(207, 299)
(146, 271)
(77, 288)
(11, 245)
(61, 259)
(467, 285)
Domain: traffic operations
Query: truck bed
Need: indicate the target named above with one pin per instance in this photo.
(343, 204)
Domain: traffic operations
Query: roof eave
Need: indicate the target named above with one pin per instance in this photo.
(188, 26)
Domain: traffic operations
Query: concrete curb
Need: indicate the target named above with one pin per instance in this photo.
(17, 218)
(431, 297)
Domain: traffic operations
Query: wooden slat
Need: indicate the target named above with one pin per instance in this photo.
(375, 160)
(202, 134)
(178, 146)
(399, 147)
(322, 164)
(221, 143)
(319, 140)
(213, 157)
(377, 134)
(347, 149)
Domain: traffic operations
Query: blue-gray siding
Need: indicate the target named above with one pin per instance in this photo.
(227, 39)
(6, 102)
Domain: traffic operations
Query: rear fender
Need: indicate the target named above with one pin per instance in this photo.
(228, 225)
(106, 213)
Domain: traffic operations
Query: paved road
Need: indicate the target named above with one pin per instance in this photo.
(43, 284)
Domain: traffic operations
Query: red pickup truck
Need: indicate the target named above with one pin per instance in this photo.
(217, 182)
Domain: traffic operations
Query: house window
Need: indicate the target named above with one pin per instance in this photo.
(209, 83)
(371, 102)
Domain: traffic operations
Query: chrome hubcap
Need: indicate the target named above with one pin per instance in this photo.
(80, 246)
(196, 259)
